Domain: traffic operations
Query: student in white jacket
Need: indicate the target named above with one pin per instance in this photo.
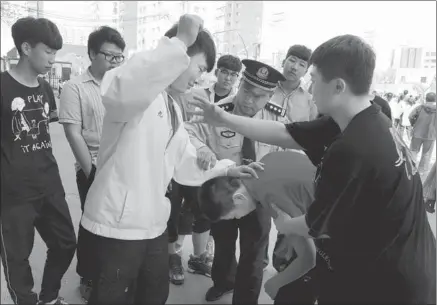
(144, 145)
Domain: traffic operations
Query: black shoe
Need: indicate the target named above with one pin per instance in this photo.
(58, 301)
(214, 293)
(176, 271)
(200, 265)
(85, 289)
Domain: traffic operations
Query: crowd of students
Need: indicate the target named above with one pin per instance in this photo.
(329, 167)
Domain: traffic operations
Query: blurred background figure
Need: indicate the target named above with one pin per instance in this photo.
(423, 120)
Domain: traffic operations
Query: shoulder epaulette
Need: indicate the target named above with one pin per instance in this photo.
(228, 107)
(275, 109)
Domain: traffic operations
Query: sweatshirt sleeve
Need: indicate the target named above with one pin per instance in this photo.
(129, 89)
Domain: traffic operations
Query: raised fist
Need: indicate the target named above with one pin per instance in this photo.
(188, 28)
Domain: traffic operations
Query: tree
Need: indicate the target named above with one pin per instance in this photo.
(10, 12)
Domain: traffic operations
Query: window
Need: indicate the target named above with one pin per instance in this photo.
(402, 79)
(423, 80)
(432, 53)
(238, 14)
(428, 53)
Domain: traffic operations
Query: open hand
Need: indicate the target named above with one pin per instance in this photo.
(206, 159)
(207, 112)
(246, 171)
(188, 28)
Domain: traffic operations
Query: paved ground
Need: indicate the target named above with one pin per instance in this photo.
(192, 292)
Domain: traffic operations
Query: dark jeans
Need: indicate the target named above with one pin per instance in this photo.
(85, 263)
(302, 291)
(277, 259)
(427, 148)
(246, 277)
(130, 271)
(84, 184)
(51, 217)
(181, 218)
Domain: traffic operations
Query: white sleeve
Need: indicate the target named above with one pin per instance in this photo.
(129, 89)
(187, 172)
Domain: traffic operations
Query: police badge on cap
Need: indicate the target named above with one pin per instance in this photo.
(261, 75)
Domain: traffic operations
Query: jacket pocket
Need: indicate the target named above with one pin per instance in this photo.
(116, 201)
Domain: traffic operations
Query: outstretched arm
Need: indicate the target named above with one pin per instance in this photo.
(269, 132)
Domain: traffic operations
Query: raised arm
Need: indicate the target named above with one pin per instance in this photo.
(269, 132)
(129, 89)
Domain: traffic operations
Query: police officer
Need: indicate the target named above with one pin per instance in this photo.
(214, 143)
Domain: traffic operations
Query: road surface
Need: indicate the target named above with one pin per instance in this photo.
(195, 286)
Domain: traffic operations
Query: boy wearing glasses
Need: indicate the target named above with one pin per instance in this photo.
(81, 112)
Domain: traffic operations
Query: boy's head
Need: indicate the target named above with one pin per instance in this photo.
(296, 63)
(228, 70)
(258, 85)
(105, 49)
(37, 40)
(343, 68)
(430, 97)
(202, 55)
(389, 96)
(225, 198)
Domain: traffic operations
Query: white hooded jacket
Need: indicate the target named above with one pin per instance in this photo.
(139, 154)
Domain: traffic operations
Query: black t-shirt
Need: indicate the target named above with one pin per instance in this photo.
(28, 167)
(218, 98)
(369, 201)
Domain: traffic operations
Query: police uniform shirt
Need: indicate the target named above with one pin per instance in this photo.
(298, 105)
(224, 142)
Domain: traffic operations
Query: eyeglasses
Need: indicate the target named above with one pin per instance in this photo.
(228, 73)
(112, 58)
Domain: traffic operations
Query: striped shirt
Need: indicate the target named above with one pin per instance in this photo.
(81, 103)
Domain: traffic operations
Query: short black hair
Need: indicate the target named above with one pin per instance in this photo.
(430, 97)
(300, 51)
(230, 62)
(204, 44)
(215, 197)
(104, 34)
(347, 57)
(36, 30)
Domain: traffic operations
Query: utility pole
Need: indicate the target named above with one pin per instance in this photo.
(37, 9)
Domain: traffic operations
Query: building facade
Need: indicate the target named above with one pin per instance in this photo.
(413, 65)
(242, 28)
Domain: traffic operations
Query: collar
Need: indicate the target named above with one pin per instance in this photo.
(211, 89)
(299, 87)
(87, 76)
